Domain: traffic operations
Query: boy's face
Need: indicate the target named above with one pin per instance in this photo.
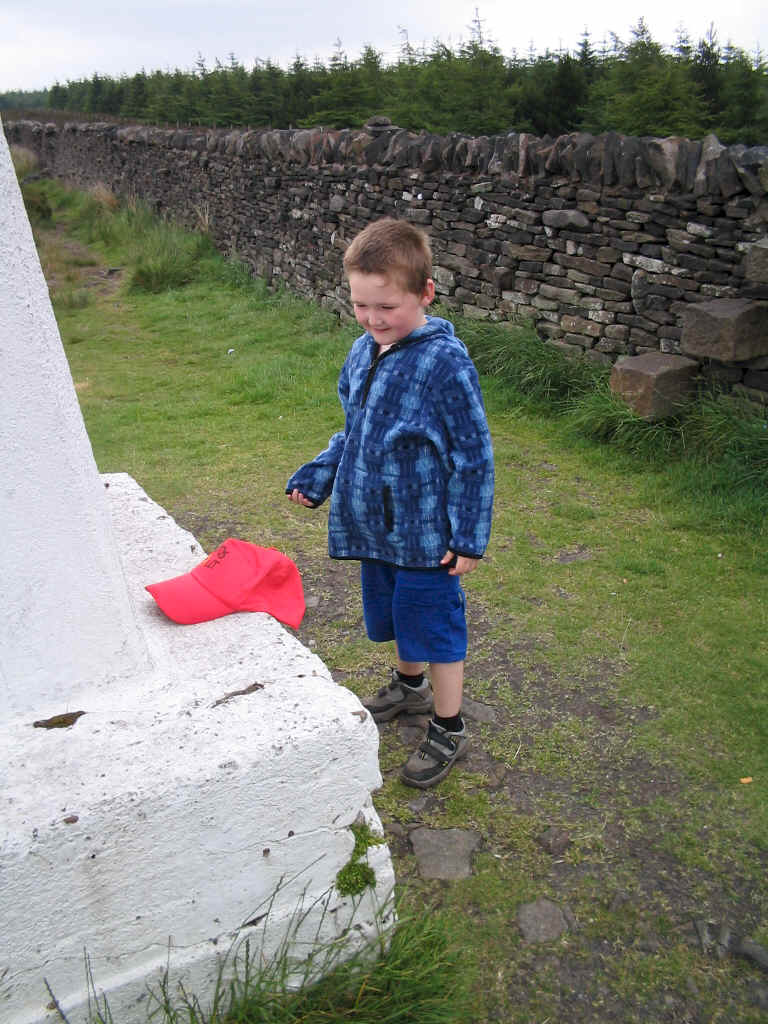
(385, 309)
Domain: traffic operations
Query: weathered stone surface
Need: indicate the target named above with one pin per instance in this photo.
(640, 290)
(728, 330)
(541, 921)
(669, 159)
(575, 220)
(750, 163)
(756, 262)
(476, 711)
(444, 853)
(654, 384)
(579, 325)
(555, 840)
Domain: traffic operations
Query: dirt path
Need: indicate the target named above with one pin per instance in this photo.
(578, 853)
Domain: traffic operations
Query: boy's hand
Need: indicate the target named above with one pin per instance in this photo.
(461, 564)
(299, 498)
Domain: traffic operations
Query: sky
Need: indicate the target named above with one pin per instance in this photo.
(42, 41)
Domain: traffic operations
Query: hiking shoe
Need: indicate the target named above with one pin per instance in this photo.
(435, 757)
(399, 699)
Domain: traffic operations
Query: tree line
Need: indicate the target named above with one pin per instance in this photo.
(636, 87)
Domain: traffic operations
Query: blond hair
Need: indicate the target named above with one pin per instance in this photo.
(394, 248)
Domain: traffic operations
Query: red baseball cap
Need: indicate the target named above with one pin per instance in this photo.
(236, 577)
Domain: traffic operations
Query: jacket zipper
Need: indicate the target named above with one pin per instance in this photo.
(377, 359)
(371, 371)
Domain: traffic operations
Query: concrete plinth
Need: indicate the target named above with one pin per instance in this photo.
(153, 831)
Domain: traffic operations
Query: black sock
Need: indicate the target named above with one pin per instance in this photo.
(414, 681)
(453, 724)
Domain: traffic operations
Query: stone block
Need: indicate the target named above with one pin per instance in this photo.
(549, 291)
(728, 330)
(579, 325)
(756, 262)
(444, 277)
(573, 219)
(598, 356)
(655, 385)
(580, 340)
(564, 347)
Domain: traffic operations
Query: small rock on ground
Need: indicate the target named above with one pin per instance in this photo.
(475, 711)
(444, 853)
(555, 841)
(541, 921)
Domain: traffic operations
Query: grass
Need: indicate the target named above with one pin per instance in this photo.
(618, 621)
(24, 161)
(408, 971)
(715, 450)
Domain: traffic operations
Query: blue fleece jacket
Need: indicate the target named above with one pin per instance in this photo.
(411, 474)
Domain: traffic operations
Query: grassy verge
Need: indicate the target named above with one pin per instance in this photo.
(618, 621)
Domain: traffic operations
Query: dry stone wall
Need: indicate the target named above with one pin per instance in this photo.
(603, 242)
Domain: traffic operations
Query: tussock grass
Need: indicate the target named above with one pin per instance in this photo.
(412, 970)
(536, 373)
(715, 449)
(162, 255)
(70, 298)
(24, 161)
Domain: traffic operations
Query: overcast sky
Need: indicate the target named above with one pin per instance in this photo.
(44, 41)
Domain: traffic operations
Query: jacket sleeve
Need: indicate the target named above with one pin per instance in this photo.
(469, 457)
(315, 479)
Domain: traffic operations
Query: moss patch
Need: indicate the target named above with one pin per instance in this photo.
(357, 875)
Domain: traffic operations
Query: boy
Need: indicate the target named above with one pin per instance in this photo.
(411, 484)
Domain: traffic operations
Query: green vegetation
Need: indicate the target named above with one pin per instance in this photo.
(24, 161)
(635, 87)
(618, 633)
(715, 450)
(410, 971)
(357, 876)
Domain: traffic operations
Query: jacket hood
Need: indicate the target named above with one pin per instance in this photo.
(435, 327)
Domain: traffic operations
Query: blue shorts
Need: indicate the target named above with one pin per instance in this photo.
(422, 609)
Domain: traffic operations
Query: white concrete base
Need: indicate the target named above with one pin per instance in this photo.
(154, 831)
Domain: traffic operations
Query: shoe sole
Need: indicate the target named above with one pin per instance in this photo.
(409, 709)
(428, 783)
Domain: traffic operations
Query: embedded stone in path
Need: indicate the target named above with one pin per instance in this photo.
(728, 330)
(541, 921)
(654, 384)
(476, 711)
(444, 853)
(555, 840)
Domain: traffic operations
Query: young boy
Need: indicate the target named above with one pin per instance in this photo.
(410, 479)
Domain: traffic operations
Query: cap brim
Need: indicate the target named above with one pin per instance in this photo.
(185, 601)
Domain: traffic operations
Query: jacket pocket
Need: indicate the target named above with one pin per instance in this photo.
(389, 510)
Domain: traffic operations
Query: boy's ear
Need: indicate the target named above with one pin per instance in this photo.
(429, 292)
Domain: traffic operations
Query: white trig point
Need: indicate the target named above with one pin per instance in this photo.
(66, 619)
(160, 784)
